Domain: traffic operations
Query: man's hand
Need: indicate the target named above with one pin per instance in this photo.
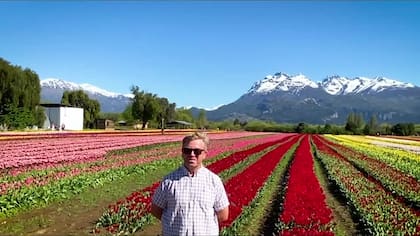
(223, 214)
(156, 211)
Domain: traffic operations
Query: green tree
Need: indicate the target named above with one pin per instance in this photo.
(256, 125)
(166, 111)
(236, 122)
(354, 123)
(201, 121)
(222, 125)
(403, 129)
(300, 128)
(184, 115)
(127, 114)
(372, 127)
(109, 116)
(20, 91)
(145, 106)
(91, 107)
(327, 129)
(18, 118)
(385, 128)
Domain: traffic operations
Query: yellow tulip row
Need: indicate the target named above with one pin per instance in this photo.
(406, 161)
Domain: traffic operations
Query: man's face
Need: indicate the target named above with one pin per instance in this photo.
(193, 154)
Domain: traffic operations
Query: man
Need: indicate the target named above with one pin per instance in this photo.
(191, 200)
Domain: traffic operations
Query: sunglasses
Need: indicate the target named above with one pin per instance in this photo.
(187, 151)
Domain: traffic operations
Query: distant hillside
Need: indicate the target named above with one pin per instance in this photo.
(293, 99)
(52, 90)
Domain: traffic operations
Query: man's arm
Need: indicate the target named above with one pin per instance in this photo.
(156, 211)
(223, 214)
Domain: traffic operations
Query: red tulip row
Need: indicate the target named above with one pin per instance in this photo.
(304, 207)
(241, 192)
(381, 213)
(236, 157)
(140, 200)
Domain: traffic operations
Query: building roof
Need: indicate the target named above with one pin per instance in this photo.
(55, 105)
(179, 122)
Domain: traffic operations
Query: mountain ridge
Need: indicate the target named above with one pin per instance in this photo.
(52, 91)
(290, 98)
(334, 85)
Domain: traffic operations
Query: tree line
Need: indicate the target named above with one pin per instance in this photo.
(355, 124)
(20, 92)
(20, 108)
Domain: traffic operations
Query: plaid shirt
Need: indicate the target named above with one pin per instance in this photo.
(190, 203)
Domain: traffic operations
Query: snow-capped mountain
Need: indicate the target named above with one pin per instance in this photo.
(285, 98)
(334, 85)
(337, 85)
(292, 99)
(66, 85)
(283, 82)
(52, 91)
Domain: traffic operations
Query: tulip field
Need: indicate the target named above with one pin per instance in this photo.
(277, 183)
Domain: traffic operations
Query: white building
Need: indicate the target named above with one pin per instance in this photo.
(60, 116)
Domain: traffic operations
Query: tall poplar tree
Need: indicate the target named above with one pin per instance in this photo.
(354, 123)
(20, 91)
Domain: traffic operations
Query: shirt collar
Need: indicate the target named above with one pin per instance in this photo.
(187, 173)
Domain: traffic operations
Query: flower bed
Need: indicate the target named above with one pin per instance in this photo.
(304, 207)
(379, 211)
(112, 221)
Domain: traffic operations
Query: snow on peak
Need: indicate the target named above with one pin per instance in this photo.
(66, 85)
(93, 89)
(283, 82)
(337, 85)
(334, 85)
(382, 83)
(59, 84)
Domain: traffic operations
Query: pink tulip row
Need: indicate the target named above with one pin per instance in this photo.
(223, 144)
(67, 169)
(17, 153)
(63, 150)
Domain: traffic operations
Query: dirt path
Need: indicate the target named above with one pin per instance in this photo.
(154, 229)
(56, 219)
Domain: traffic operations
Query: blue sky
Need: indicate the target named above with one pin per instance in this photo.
(207, 53)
